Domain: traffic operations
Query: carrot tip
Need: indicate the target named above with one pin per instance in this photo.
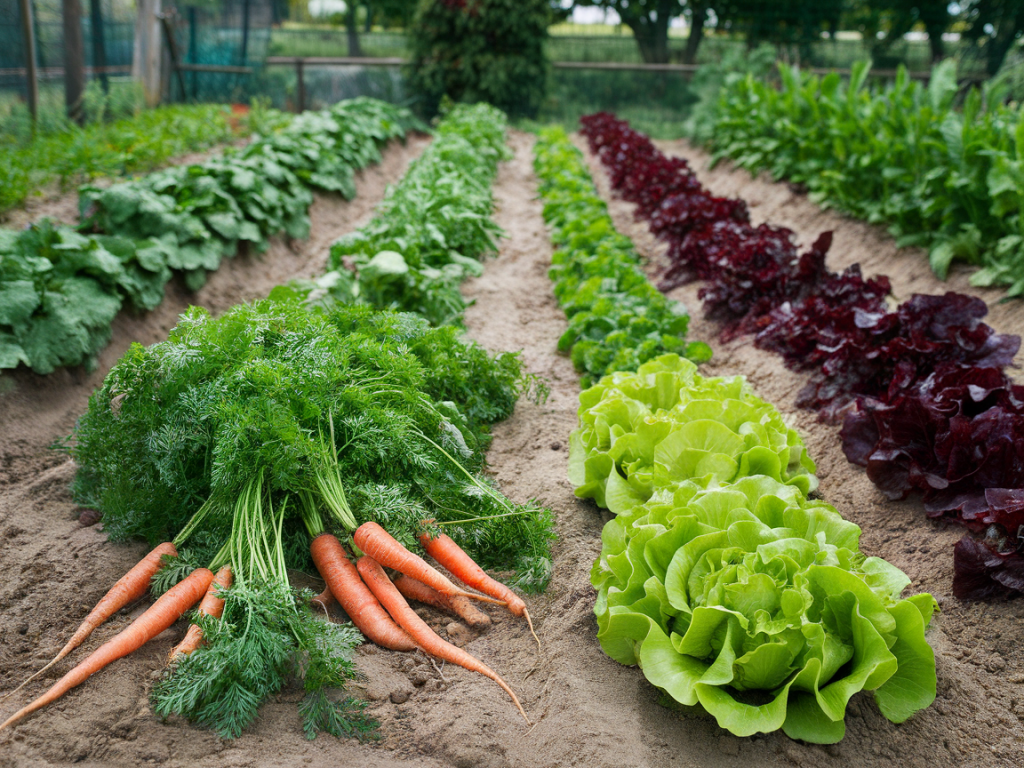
(529, 623)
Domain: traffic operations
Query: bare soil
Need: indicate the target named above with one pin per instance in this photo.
(587, 710)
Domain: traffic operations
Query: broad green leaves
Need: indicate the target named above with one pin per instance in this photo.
(60, 290)
(720, 578)
(944, 178)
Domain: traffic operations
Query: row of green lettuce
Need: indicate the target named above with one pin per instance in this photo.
(431, 232)
(720, 576)
(945, 172)
(617, 319)
(60, 289)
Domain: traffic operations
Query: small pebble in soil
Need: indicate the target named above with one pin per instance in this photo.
(88, 517)
(556, 446)
(401, 695)
(420, 675)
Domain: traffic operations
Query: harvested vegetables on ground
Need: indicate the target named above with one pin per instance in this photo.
(244, 436)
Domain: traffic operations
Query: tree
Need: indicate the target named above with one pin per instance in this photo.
(650, 21)
(886, 21)
(480, 50)
(782, 22)
(995, 25)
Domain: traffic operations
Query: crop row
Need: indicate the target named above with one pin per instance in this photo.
(947, 178)
(718, 575)
(921, 390)
(60, 289)
(431, 232)
(617, 319)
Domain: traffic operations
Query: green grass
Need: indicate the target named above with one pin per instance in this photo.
(62, 151)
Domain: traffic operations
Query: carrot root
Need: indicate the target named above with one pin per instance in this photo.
(158, 617)
(449, 554)
(359, 603)
(129, 588)
(425, 637)
(412, 589)
(386, 550)
(212, 605)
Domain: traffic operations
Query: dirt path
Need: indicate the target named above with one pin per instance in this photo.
(977, 717)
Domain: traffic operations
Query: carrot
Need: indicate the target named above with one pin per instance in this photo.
(158, 617)
(460, 606)
(324, 601)
(359, 603)
(461, 566)
(382, 547)
(211, 606)
(129, 588)
(425, 637)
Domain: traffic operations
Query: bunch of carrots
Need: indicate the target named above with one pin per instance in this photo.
(373, 602)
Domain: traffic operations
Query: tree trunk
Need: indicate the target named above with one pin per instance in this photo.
(651, 33)
(697, 20)
(74, 61)
(368, 24)
(352, 27)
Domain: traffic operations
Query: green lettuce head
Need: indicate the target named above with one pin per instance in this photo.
(666, 423)
(754, 603)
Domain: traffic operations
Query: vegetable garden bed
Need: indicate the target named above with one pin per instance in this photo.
(588, 709)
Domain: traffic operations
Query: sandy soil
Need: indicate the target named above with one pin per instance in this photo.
(587, 709)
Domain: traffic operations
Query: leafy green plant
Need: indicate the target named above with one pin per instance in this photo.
(129, 145)
(730, 588)
(617, 319)
(480, 51)
(63, 288)
(641, 432)
(60, 291)
(946, 178)
(432, 230)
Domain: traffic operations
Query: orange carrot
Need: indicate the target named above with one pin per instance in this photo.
(211, 606)
(460, 606)
(359, 603)
(382, 547)
(425, 637)
(461, 566)
(158, 617)
(129, 588)
(324, 601)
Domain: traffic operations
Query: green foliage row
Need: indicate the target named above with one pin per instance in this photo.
(60, 290)
(430, 233)
(617, 319)
(734, 591)
(948, 178)
(129, 145)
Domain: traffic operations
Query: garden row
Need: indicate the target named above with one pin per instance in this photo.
(60, 289)
(942, 175)
(922, 390)
(718, 575)
(243, 444)
(130, 145)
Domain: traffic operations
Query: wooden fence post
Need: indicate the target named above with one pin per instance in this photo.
(31, 77)
(74, 61)
(148, 53)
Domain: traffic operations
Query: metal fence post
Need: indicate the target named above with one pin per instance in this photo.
(32, 80)
(301, 98)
